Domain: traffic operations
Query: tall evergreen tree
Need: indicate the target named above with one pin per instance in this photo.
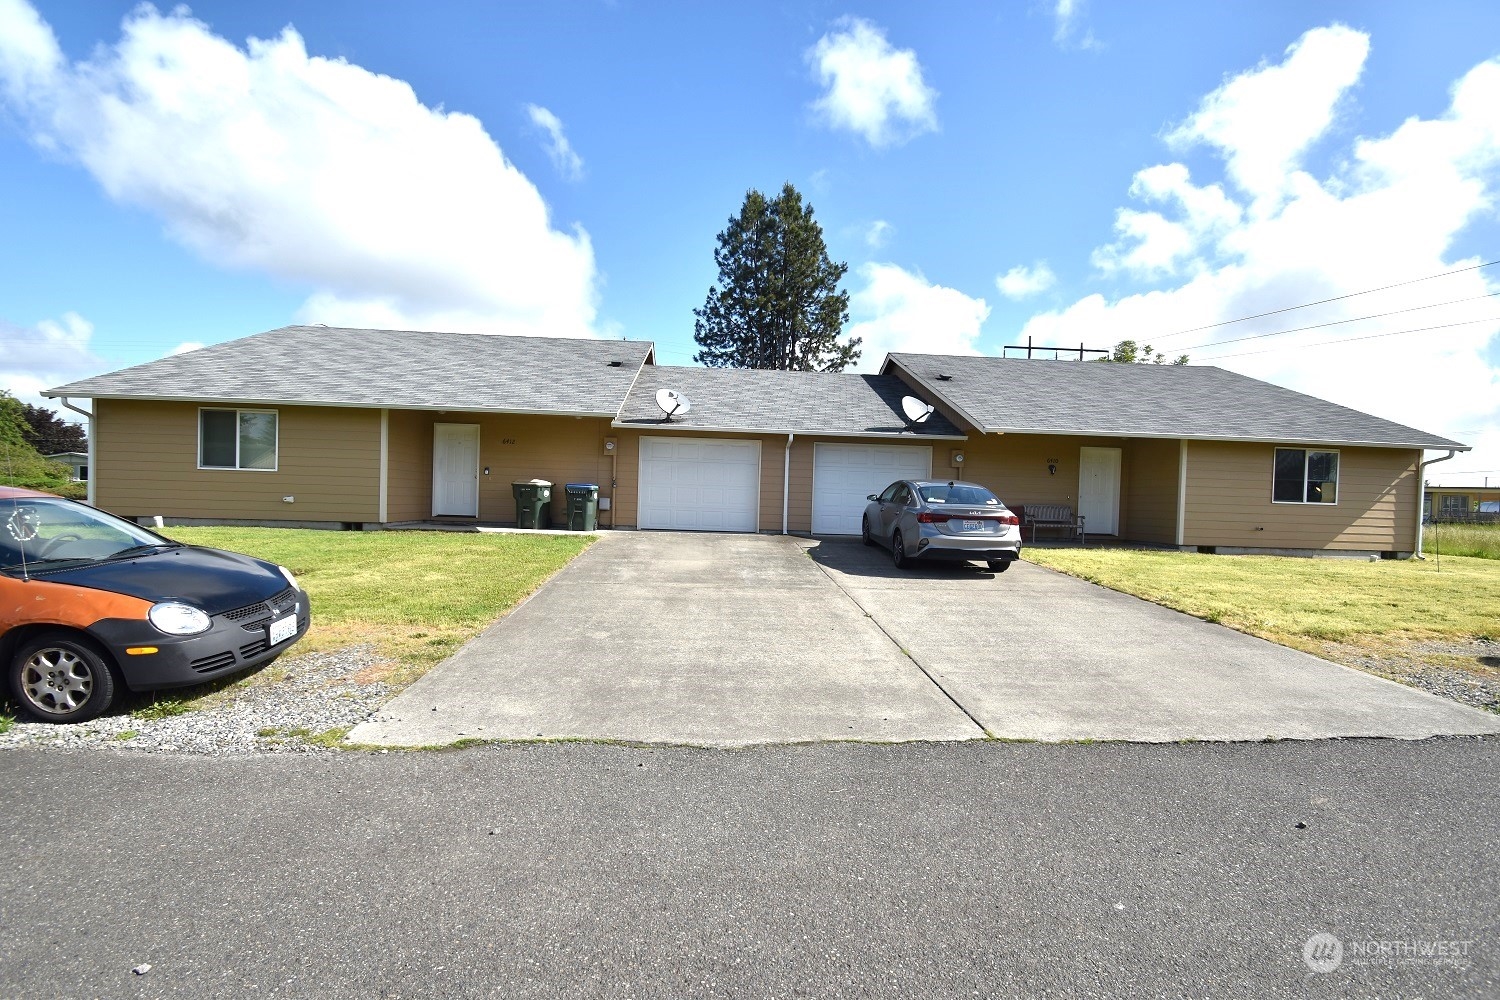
(777, 303)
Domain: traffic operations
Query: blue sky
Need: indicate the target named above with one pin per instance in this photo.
(1068, 171)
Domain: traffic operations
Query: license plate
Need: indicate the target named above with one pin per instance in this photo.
(283, 629)
(973, 525)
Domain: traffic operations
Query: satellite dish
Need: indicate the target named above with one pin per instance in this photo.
(916, 411)
(672, 402)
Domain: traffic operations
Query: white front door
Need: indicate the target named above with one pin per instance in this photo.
(1099, 490)
(699, 484)
(844, 475)
(455, 470)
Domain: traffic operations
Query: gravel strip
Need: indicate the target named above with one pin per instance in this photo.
(1465, 672)
(319, 693)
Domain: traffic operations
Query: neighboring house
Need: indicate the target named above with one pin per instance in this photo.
(77, 461)
(1461, 503)
(363, 428)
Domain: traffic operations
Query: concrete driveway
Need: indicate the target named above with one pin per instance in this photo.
(733, 640)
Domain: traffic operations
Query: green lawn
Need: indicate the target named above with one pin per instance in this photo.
(415, 595)
(1343, 609)
(1479, 540)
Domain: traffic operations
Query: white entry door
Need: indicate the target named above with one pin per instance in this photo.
(699, 484)
(1099, 490)
(844, 475)
(455, 470)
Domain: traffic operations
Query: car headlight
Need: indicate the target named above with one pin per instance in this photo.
(178, 619)
(289, 577)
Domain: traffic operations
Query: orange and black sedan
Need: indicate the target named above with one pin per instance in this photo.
(91, 603)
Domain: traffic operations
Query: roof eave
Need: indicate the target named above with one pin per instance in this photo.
(1231, 438)
(239, 401)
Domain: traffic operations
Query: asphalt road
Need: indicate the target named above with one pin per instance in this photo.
(833, 870)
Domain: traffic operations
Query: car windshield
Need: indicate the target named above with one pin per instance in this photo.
(959, 493)
(43, 532)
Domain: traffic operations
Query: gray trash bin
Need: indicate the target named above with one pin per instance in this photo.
(583, 506)
(533, 496)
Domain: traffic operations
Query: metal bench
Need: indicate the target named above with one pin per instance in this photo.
(1053, 515)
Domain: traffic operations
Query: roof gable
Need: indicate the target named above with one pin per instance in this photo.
(779, 402)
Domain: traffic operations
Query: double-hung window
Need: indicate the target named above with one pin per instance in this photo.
(237, 439)
(1305, 476)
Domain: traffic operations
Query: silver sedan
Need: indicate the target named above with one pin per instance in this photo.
(925, 519)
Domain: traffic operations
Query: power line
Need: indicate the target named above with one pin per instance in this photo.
(1349, 340)
(1338, 322)
(1336, 298)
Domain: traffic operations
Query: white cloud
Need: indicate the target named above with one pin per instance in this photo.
(50, 353)
(1151, 245)
(872, 89)
(1068, 30)
(185, 347)
(1262, 121)
(567, 161)
(898, 310)
(311, 169)
(878, 234)
(1390, 212)
(1022, 282)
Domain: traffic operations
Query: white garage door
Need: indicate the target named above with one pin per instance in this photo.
(844, 475)
(699, 484)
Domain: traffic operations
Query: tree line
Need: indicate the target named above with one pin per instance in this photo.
(27, 434)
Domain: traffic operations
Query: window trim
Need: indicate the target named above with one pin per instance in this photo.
(1307, 451)
(236, 467)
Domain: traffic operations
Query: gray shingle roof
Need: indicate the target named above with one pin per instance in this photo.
(389, 368)
(1022, 395)
(779, 402)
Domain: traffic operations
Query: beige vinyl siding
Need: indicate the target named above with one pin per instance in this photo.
(1014, 466)
(1148, 500)
(146, 463)
(1229, 501)
(560, 450)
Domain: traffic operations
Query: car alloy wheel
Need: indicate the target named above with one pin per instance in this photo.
(61, 679)
(864, 531)
(898, 551)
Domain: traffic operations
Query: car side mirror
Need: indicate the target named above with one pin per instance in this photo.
(873, 496)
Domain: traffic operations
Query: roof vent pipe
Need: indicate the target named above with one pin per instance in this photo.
(1421, 487)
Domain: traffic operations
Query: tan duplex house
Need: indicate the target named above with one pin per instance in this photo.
(369, 428)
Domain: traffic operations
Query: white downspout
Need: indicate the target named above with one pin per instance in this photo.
(1421, 487)
(786, 481)
(92, 470)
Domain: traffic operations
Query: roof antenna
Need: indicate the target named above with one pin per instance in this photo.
(916, 411)
(671, 401)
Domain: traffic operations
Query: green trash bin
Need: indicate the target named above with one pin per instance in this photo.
(583, 506)
(533, 496)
